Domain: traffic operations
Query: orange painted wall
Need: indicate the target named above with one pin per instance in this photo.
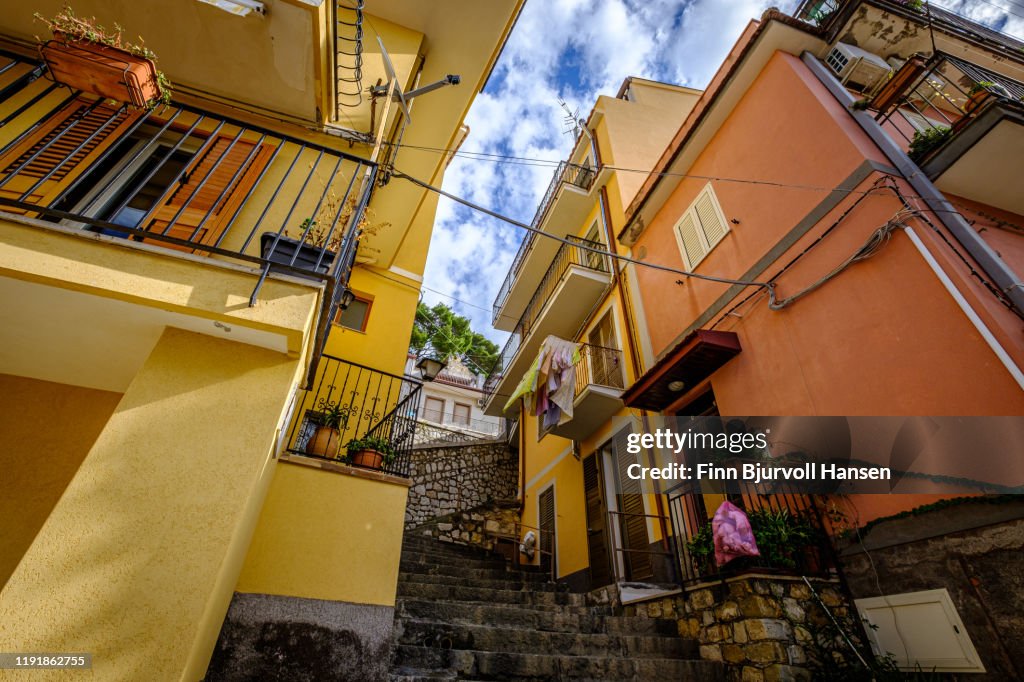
(883, 338)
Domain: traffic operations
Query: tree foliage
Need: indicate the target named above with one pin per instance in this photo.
(450, 334)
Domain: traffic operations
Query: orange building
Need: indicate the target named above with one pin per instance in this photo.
(864, 160)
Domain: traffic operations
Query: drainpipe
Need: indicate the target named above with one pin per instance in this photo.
(619, 283)
(995, 267)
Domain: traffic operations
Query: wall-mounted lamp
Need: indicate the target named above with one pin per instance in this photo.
(430, 367)
(346, 299)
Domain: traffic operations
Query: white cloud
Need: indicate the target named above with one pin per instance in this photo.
(574, 49)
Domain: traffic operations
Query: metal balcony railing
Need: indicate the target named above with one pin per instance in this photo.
(808, 550)
(599, 366)
(569, 255)
(571, 173)
(816, 12)
(927, 102)
(372, 402)
(181, 178)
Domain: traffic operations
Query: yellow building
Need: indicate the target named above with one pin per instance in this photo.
(181, 286)
(570, 483)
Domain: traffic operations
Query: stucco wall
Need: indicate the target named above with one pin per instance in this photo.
(47, 430)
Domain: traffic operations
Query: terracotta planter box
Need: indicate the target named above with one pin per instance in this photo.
(105, 71)
(370, 459)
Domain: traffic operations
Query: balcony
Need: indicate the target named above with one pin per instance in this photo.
(573, 283)
(599, 385)
(372, 403)
(565, 204)
(962, 124)
(180, 179)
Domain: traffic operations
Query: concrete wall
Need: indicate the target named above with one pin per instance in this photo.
(453, 478)
(975, 550)
(47, 430)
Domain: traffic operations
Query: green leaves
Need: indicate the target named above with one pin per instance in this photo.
(450, 334)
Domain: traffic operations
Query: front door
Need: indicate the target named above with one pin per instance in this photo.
(597, 512)
(548, 543)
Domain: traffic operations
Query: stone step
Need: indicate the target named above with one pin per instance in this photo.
(510, 582)
(489, 665)
(544, 618)
(440, 558)
(430, 633)
(480, 594)
(460, 571)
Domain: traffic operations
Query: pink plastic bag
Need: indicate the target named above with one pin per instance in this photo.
(732, 533)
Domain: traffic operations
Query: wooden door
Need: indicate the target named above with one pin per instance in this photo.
(546, 523)
(213, 186)
(632, 522)
(72, 127)
(604, 364)
(596, 513)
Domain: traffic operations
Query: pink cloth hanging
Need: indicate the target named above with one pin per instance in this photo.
(732, 534)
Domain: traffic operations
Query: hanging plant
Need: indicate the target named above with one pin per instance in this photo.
(85, 55)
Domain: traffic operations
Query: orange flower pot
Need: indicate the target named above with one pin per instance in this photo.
(325, 442)
(106, 71)
(370, 459)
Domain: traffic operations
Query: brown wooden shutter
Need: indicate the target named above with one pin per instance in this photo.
(632, 523)
(597, 541)
(205, 202)
(547, 528)
(69, 166)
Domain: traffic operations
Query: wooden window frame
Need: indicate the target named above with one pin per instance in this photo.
(469, 413)
(701, 229)
(363, 298)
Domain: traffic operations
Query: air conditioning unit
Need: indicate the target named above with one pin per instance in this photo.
(857, 68)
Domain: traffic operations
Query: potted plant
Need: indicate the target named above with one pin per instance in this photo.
(312, 243)
(781, 536)
(926, 140)
(84, 55)
(370, 452)
(980, 91)
(331, 419)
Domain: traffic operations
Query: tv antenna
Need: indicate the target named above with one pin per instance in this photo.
(572, 123)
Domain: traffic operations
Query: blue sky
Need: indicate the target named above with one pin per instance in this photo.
(577, 50)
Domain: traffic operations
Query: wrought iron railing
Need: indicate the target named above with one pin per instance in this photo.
(577, 253)
(816, 12)
(372, 403)
(927, 102)
(793, 538)
(571, 173)
(481, 427)
(181, 178)
(600, 366)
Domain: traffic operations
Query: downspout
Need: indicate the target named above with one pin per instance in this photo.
(990, 262)
(620, 286)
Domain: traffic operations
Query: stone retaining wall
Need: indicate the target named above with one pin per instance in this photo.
(452, 478)
(764, 629)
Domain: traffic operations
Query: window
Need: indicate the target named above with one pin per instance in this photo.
(702, 226)
(460, 414)
(594, 259)
(356, 315)
(604, 362)
(433, 410)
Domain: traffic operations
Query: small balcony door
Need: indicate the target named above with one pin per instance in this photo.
(605, 366)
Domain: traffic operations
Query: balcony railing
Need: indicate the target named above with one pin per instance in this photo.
(600, 366)
(927, 102)
(374, 403)
(808, 551)
(579, 253)
(816, 12)
(571, 173)
(181, 178)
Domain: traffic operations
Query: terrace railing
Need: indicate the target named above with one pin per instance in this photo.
(577, 253)
(600, 366)
(181, 178)
(571, 173)
(375, 403)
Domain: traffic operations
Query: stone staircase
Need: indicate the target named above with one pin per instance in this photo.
(464, 614)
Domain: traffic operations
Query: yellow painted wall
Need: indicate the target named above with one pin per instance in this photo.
(138, 560)
(326, 535)
(47, 430)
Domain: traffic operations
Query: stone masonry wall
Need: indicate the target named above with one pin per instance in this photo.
(481, 526)
(452, 478)
(764, 629)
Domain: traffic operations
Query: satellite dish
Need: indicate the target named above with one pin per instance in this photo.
(404, 97)
(393, 78)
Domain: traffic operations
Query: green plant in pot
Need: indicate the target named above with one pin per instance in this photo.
(370, 452)
(781, 536)
(927, 140)
(87, 56)
(331, 419)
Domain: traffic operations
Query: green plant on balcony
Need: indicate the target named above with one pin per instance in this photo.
(331, 418)
(781, 538)
(927, 140)
(702, 549)
(86, 56)
(371, 452)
